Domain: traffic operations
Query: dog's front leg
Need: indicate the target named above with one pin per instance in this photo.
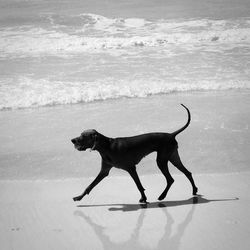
(134, 175)
(102, 174)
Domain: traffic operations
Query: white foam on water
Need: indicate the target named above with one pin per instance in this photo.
(30, 93)
(102, 34)
(93, 36)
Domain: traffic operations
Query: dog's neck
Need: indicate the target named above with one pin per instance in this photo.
(103, 144)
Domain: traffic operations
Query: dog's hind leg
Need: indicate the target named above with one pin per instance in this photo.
(134, 175)
(176, 161)
(162, 163)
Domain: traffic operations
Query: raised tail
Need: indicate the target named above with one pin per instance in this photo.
(186, 125)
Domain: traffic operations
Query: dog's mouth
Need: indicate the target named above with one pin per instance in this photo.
(79, 147)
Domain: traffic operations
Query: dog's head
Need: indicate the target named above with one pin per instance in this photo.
(87, 139)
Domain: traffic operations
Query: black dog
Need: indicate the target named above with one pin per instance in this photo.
(127, 152)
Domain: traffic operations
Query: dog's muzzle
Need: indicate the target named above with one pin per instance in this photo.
(77, 145)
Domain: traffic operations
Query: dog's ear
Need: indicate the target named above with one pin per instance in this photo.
(95, 136)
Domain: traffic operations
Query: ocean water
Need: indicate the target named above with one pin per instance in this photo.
(66, 52)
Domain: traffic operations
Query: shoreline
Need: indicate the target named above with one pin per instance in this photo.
(122, 177)
(135, 98)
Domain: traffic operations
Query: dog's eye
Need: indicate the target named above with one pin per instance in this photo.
(93, 136)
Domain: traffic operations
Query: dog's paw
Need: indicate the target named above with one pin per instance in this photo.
(161, 197)
(77, 198)
(195, 190)
(143, 200)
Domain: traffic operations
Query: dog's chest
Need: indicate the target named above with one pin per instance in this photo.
(123, 160)
(108, 159)
(124, 153)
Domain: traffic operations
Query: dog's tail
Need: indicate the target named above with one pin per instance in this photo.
(186, 125)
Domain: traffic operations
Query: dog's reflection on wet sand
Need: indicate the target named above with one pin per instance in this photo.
(168, 239)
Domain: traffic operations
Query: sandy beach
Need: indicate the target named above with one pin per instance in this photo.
(42, 215)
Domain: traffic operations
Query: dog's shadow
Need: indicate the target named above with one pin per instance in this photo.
(197, 199)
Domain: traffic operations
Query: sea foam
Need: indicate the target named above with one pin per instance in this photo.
(30, 93)
(88, 57)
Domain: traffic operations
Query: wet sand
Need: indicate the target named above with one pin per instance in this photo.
(42, 215)
(35, 143)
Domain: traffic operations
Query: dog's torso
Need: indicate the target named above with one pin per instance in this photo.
(124, 152)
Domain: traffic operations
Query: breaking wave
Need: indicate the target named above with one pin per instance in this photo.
(94, 33)
(32, 93)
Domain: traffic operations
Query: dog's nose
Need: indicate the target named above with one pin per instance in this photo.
(73, 141)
